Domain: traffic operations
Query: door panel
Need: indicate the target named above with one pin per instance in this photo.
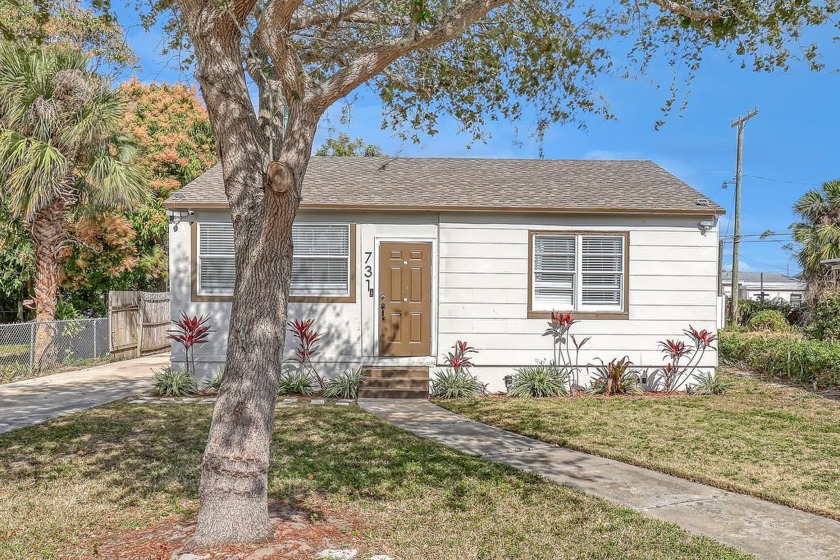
(405, 299)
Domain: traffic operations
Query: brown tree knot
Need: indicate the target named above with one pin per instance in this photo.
(280, 176)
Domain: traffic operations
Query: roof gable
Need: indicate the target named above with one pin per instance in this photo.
(463, 184)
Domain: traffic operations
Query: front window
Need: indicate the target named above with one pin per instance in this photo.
(578, 272)
(321, 265)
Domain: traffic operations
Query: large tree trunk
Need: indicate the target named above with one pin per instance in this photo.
(47, 233)
(234, 476)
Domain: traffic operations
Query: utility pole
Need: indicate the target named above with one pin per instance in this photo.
(736, 239)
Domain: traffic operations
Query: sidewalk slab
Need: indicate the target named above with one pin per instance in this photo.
(765, 529)
(32, 401)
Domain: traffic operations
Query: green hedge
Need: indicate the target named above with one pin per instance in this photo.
(791, 357)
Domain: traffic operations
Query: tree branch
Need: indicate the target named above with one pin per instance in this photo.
(354, 14)
(373, 62)
(690, 13)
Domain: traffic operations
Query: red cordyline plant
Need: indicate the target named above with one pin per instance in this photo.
(558, 329)
(307, 346)
(459, 359)
(676, 373)
(615, 378)
(189, 332)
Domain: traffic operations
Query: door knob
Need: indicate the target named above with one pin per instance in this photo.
(382, 310)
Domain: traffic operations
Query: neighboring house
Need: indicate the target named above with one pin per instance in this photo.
(772, 284)
(397, 258)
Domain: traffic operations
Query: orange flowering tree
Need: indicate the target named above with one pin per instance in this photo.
(127, 251)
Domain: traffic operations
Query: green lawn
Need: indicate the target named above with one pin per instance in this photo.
(779, 443)
(69, 483)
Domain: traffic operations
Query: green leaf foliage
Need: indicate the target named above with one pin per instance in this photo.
(786, 356)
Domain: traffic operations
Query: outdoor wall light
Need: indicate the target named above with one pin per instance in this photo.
(176, 218)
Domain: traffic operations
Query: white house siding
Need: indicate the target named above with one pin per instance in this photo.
(484, 289)
(480, 290)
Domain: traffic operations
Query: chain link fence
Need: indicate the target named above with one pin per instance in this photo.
(28, 349)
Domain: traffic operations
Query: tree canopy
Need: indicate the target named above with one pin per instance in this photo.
(817, 234)
(343, 145)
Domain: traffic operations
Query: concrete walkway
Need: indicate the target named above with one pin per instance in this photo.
(32, 401)
(765, 529)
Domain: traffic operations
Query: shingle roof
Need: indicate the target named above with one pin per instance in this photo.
(441, 184)
(755, 277)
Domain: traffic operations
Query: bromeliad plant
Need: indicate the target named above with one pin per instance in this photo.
(683, 358)
(307, 346)
(558, 329)
(615, 378)
(190, 332)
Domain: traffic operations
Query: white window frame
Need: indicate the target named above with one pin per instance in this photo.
(577, 288)
(295, 294)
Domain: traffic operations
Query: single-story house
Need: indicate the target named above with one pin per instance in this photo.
(398, 258)
(751, 285)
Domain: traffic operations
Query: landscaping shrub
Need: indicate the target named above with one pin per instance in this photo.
(345, 385)
(450, 383)
(826, 320)
(787, 356)
(769, 320)
(295, 381)
(540, 380)
(213, 383)
(173, 383)
(708, 384)
(615, 378)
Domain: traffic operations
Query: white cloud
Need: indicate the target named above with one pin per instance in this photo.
(612, 154)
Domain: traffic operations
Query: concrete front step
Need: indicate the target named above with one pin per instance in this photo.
(392, 393)
(381, 372)
(396, 383)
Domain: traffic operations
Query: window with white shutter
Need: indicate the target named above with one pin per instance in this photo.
(215, 259)
(321, 266)
(578, 272)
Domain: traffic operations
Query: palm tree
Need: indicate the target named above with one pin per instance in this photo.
(61, 154)
(818, 232)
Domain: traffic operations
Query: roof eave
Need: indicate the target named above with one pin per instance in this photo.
(706, 211)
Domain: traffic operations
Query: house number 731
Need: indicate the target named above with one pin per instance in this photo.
(368, 273)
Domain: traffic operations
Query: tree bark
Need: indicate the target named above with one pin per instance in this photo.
(47, 234)
(234, 477)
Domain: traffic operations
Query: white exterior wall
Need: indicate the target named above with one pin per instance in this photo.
(480, 290)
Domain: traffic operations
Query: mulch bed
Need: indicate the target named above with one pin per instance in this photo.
(297, 535)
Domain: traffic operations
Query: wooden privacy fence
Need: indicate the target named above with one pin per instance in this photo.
(139, 321)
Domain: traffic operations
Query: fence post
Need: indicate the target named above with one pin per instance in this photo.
(31, 348)
(95, 353)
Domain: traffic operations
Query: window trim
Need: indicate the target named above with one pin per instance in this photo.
(350, 298)
(624, 314)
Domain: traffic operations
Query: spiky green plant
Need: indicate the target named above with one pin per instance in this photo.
(295, 381)
(215, 382)
(345, 385)
(450, 383)
(173, 383)
(61, 152)
(709, 384)
(539, 380)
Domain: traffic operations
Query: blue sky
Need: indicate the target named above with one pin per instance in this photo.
(791, 146)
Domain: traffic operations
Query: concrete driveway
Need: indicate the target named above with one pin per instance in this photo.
(29, 402)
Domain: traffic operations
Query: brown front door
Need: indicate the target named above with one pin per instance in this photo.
(405, 299)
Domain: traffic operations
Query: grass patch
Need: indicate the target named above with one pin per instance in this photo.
(66, 484)
(778, 443)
